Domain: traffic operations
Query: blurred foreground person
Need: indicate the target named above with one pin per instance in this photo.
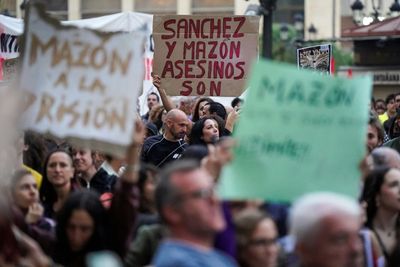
(256, 237)
(85, 226)
(326, 229)
(189, 207)
(16, 248)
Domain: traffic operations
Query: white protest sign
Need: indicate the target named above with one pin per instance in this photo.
(81, 84)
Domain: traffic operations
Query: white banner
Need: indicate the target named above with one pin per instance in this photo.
(82, 84)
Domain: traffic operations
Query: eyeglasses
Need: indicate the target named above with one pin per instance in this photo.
(263, 242)
(205, 193)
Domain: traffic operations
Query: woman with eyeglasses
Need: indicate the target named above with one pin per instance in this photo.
(256, 239)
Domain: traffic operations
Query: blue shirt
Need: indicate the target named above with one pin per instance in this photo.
(179, 254)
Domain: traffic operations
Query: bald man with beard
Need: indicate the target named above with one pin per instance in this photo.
(161, 149)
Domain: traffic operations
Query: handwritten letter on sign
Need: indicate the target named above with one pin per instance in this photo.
(298, 135)
(81, 84)
(197, 55)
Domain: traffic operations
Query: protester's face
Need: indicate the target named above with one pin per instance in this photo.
(210, 131)
(80, 229)
(179, 126)
(83, 160)
(372, 138)
(26, 192)
(262, 250)
(397, 101)
(391, 106)
(389, 194)
(336, 243)
(380, 107)
(202, 106)
(199, 208)
(59, 169)
(151, 101)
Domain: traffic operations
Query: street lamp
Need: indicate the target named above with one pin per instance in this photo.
(395, 9)
(312, 31)
(361, 19)
(284, 32)
(299, 23)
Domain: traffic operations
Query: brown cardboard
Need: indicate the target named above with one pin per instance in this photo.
(204, 55)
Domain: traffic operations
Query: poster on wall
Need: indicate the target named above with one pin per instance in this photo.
(317, 58)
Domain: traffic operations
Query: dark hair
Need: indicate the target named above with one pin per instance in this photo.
(372, 186)
(34, 155)
(166, 193)
(143, 177)
(47, 192)
(246, 222)
(195, 152)
(153, 93)
(196, 115)
(389, 98)
(217, 109)
(374, 122)
(81, 200)
(155, 116)
(196, 134)
(236, 101)
(17, 176)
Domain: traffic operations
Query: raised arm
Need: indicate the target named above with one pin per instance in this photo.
(166, 100)
(125, 203)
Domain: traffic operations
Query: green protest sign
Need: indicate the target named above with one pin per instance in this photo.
(298, 132)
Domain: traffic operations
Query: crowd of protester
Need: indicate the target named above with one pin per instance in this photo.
(72, 206)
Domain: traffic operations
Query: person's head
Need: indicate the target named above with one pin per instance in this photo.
(215, 108)
(81, 224)
(380, 106)
(390, 104)
(198, 111)
(381, 191)
(236, 102)
(206, 130)
(24, 189)
(147, 185)
(186, 104)
(394, 127)
(375, 133)
(256, 237)
(176, 123)
(84, 160)
(34, 150)
(397, 100)
(157, 116)
(186, 201)
(152, 100)
(325, 227)
(58, 172)
(195, 152)
(384, 156)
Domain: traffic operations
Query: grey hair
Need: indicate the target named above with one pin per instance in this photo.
(309, 210)
(166, 192)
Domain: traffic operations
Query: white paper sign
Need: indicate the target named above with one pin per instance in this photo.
(81, 84)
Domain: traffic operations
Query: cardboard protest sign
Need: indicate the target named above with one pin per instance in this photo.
(81, 84)
(204, 55)
(317, 58)
(297, 135)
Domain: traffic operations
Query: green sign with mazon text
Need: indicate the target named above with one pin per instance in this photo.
(298, 132)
